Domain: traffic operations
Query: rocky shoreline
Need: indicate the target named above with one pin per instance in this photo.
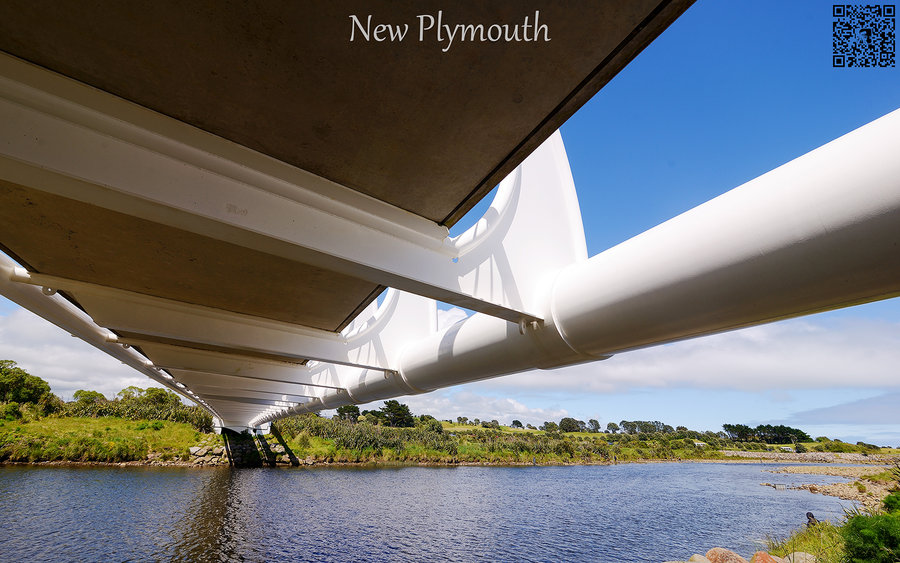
(868, 494)
(249, 451)
(721, 555)
(814, 457)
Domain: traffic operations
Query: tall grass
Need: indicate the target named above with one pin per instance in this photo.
(93, 439)
(348, 441)
(142, 410)
(824, 541)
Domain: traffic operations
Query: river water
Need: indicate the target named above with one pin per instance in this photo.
(631, 512)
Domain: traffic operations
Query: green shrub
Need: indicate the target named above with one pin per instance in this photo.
(11, 411)
(892, 502)
(138, 404)
(873, 539)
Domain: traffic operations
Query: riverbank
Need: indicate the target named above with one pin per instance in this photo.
(88, 439)
(865, 489)
(823, 542)
(816, 457)
(314, 441)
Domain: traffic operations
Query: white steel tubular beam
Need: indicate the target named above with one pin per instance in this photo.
(252, 377)
(61, 313)
(151, 316)
(818, 233)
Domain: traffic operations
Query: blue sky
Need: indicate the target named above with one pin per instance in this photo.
(730, 91)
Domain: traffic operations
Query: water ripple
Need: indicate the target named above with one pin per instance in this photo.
(621, 513)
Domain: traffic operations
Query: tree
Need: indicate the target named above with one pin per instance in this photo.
(739, 432)
(348, 412)
(594, 425)
(629, 427)
(612, 427)
(161, 397)
(375, 417)
(432, 424)
(516, 424)
(397, 414)
(568, 424)
(17, 385)
(780, 434)
(130, 392)
(462, 420)
(87, 397)
(550, 427)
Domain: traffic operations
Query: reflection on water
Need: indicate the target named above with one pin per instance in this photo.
(650, 512)
(202, 529)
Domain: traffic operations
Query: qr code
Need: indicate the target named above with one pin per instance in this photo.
(863, 36)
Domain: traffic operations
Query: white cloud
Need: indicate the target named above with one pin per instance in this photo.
(66, 363)
(884, 409)
(448, 405)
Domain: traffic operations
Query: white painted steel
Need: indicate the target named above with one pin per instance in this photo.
(216, 363)
(818, 233)
(373, 345)
(84, 144)
(63, 314)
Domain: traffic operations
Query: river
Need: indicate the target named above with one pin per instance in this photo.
(630, 512)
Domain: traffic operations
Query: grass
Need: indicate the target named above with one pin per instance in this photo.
(454, 427)
(823, 540)
(104, 439)
(329, 440)
(882, 477)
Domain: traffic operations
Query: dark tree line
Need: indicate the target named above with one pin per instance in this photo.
(644, 427)
(767, 433)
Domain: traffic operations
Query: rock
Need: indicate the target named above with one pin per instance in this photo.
(764, 557)
(722, 555)
(697, 558)
(218, 451)
(800, 557)
(194, 450)
(202, 451)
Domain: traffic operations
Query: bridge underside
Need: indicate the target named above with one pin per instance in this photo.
(216, 194)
